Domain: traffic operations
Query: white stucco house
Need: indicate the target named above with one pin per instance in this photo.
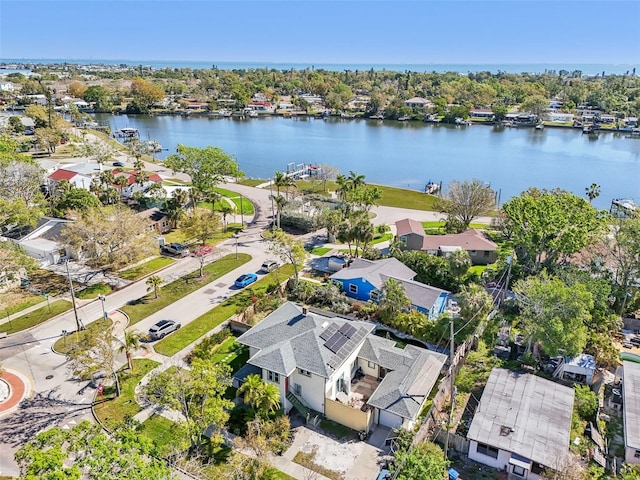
(336, 367)
(522, 424)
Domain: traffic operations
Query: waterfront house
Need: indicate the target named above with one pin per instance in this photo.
(522, 424)
(418, 102)
(326, 365)
(481, 249)
(78, 180)
(132, 186)
(631, 411)
(42, 241)
(481, 113)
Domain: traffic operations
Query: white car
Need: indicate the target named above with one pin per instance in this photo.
(162, 329)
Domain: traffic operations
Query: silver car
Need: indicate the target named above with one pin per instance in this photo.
(162, 329)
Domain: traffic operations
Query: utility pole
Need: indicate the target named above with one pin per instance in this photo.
(242, 210)
(79, 325)
(451, 375)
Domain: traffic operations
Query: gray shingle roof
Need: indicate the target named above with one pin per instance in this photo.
(371, 270)
(414, 372)
(524, 414)
(287, 340)
(468, 240)
(631, 391)
(420, 294)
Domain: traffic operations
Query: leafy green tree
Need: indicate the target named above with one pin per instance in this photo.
(499, 112)
(48, 139)
(455, 112)
(586, 402)
(198, 394)
(393, 302)
(536, 104)
(94, 355)
(87, 452)
(425, 461)
(15, 124)
(464, 202)
(288, 248)
(554, 314)
(546, 227)
(623, 247)
(207, 167)
(73, 199)
(144, 94)
(201, 224)
(99, 97)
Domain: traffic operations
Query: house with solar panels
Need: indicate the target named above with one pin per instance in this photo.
(331, 366)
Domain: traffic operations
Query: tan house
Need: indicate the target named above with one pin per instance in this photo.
(418, 102)
(480, 247)
(155, 219)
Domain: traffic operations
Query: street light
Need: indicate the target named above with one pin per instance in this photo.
(236, 236)
(104, 312)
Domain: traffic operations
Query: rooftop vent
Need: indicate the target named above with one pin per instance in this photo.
(505, 431)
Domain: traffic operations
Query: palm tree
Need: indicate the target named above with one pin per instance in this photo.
(280, 203)
(142, 177)
(121, 181)
(226, 209)
(154, 283)
(343, 187)
(355, 180)
(107, 178)
(592, 192)
(268, 400)
(250, 389)
(131, 344)
(282, 180)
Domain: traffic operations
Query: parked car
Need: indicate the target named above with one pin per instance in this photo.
(384, 474)
(176, 249)
(627, 345)
(118, 164)
(269, 266)
(162, 329)
(246, 279)
(635, 341)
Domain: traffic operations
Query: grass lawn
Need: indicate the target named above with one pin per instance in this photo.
(252, 182)
(231, 353)
(146, 268)
(278, 475)
(189, 333)
(65, 344)
(382, 238)
(36, 317)
(114, 411)
(160, 430)
(145, 306)
(477, 269)
(178, 235)
(247, 206)
(320, 250)
(338, 431)
(403, 198)
(92, 291)
(18, 300)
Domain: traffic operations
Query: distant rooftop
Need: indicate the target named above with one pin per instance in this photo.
(631, 391)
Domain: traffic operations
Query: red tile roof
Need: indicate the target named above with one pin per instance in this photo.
(62, 174)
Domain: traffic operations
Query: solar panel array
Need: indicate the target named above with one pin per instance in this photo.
(329, 331)
(347, 347)
(347, 330)
(336, 342)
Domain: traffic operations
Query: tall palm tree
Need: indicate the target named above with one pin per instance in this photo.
(355, 180)
(121, 181)
(107, 178)
(343, 187)
(592, 192)
(131, 343)
(154, 282)
(280, 202)
(226, 209)
(282, 180)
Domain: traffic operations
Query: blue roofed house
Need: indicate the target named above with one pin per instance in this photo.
(333, 366)
(364, 279)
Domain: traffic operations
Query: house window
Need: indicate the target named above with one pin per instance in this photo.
(487, 450)
(353, 288)
(403, 238)
(374, 295)
(371, 365)
(537, 468)
(518, 471)
(306, 373)
(472, 253)
(297, 389)
(637, 455)
(486, 253)
(273, 377)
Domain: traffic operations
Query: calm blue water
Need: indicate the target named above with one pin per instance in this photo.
(587, 69)
(410, 154)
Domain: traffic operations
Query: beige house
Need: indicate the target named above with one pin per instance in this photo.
(480, 247)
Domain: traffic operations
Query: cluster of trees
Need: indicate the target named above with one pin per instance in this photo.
(386, 89)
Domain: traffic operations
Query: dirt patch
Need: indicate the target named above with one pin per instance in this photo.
(332, 454)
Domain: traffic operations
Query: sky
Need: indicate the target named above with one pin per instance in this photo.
(308, 31)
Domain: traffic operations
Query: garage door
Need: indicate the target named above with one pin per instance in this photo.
(390, 420)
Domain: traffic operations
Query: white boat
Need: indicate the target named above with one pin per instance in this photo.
(404, 118)
(540, 126)
(153, 146)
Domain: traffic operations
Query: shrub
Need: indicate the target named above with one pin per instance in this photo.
(299, 221)
(205, 348)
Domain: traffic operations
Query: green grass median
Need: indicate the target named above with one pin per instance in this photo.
(36, 317)
(144, 269)
(174, 291)
(189, 333)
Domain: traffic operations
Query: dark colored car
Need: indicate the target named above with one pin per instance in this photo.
(118, 164)
(162, 329)
(246, 279)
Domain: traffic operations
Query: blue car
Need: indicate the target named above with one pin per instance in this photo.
(246, 279)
